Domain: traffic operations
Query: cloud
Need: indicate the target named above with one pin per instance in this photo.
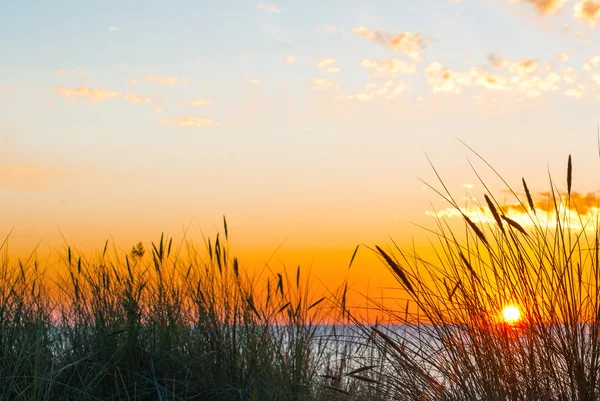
(569, 75)
(269, 8)
(576, 92)
(133, 81)
(132, 98)
(158, 110)
(289, 58)
(320, 84)
(113, 28)
(191, 122)
(254, 81)
(388, 68)
(165, 80)
(245, 56)
(61, 73)
(582, 208)
(562, 57)
(441, 79)
(544, 7)
(199, 102)
(93, 95)
(373, 90)
(330, 29)
(587, 10)
(408, 43)
(593, 62)
(520, 67)
(326, 65)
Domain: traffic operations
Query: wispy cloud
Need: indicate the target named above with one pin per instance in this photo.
(113, 28)
(408, 43)
(326, 65)
(132, 98)
(289, 58)
(93, 95)
(245, 56)
(544, 7)
(269, 8)
(198, 102)
(388, 68)
(562, 57)
(587, 10)
(191, 122)
(330, 29)
(320, 84)
(61, 73)
(373, 90)
(165, 80)
(254, 81)
(158, 110)
(133, 81)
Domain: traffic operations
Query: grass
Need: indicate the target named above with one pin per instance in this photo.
(450, 343)
(180, 323)
(149, 326)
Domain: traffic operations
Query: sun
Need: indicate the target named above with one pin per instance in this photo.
(511, 314)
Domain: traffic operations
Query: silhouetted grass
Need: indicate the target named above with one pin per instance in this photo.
(163, 324)
(450, 342)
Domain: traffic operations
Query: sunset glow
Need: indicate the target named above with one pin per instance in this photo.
(307, 124)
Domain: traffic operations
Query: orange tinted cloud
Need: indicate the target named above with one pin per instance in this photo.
(165, 80)
(93, 95)
(520, 67)
(581, 207)
(132, 98)
(408, 43)
(575, 92)
(562, 57)
(587, 10)
(158, 110)
(269, 8)
(388, 68)
(289, 58)
(544, 7)
(441, 79)
(199, 102)
(191, 122)
(254, 81)
(319, 84)
(374, 90)
(326, 65)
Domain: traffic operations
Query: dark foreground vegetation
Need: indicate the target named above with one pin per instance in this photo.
(176, 323)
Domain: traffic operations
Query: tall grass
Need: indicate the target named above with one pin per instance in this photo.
(450, 342)
(159, 324)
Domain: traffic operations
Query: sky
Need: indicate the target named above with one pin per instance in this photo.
(309, 124)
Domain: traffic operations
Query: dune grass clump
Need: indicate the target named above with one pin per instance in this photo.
(158, 324)
(451, 341)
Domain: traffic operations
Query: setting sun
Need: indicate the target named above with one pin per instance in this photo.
(511, 314)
